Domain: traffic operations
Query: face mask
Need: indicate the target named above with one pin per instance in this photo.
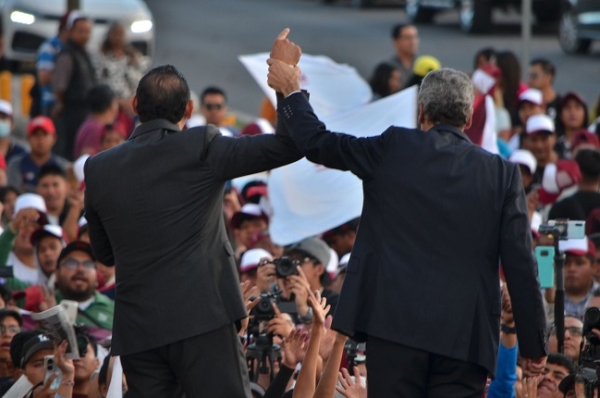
(4, 128)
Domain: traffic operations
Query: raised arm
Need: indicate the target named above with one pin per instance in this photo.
(521, 274)
(334, 150)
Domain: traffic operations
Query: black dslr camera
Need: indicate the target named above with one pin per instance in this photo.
(264, 311)
(591, 320)
(285, 266)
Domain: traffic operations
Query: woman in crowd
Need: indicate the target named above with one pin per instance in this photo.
(385, 80)
(572, 118)
(510, 83)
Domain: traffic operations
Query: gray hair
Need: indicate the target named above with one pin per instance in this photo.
(447, 97)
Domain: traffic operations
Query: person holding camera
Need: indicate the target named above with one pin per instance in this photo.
(439, 215)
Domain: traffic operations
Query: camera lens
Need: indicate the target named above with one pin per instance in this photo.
(592, 316)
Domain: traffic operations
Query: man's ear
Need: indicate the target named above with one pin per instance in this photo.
(469, 122)
(421, 114)
(134, 104)
(189, 109)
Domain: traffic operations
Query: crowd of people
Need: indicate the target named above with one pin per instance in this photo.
(82, 106)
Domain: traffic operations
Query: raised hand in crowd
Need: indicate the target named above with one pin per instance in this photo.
(352, 388)
(527, 388)
(24, 217)
(328, 382)
(251, 299)
(67, 369)
(48, 298)
(293, 348)
(281, 325)
(307, 379)
(328, 339)
(265, 274)
(284, 50)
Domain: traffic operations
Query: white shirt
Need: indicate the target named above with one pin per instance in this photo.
(22, 271)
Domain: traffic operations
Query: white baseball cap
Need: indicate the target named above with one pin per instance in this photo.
(524, 157)
(251, 258)
(6, 108)
(540, 123)
(578, 247)
(30, 200)
(532, 95)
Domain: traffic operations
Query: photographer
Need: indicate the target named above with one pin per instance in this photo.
(311, 255)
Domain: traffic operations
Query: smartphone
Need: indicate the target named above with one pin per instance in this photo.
(573, 230)
(51, 369)
(545, 261)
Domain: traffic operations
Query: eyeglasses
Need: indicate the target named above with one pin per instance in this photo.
(573, 331)
(71, 263)
(12, 329)
(210, 106)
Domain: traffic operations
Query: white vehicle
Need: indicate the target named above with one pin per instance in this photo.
(27, 24)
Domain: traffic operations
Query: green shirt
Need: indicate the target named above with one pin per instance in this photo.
(99, 314)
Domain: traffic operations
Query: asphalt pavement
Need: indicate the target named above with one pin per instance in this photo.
(204, 38)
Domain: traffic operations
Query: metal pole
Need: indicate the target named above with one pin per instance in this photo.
(526, 34)
(72, 5)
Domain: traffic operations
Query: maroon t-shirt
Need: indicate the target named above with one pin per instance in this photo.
(89, 137)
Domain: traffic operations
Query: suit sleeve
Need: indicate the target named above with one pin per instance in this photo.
(334, 150)
(235, 157)
(98, 237)
(521, 271)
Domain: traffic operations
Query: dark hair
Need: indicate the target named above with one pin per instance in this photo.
(210, 91)
(589, 164)
(128, 49)
(103, 374)
(547, 66)
(397, 29)
(561, 360)
(5, 293)
(560, 126)
(511, 78)
(162, 93)
(4, 313)
(488, 53)
(81, 330)
(51, 169)
(100, 98)
(380, 80)
(5, 190)
(253, 191)
(17, 343)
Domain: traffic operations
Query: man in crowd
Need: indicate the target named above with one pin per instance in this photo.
(48, 243)
(32, 361)
(246, 223)
(393, 261)
(44, 99)
(23, 170)
(73, 77)
(405, 39)
(341, 238)
(573, 338)
(557, 368)
(587, 198)
(87, 363)
(541, 77)
(165, 339)
(249, 263)
(530, 103)
(104, 108)
(54, 188)
(579, 271)
(539, 138)
(213, 103)
(527, 165)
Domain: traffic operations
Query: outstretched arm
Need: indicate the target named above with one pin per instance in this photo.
(334, 150)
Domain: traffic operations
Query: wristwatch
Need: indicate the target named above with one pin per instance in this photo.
(507, 329)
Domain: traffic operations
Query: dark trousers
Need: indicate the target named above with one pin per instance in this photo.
(67, 125)
(394, 370)
(207, 365)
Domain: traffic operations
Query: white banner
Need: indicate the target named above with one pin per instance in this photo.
(333, 87)
(309, 199)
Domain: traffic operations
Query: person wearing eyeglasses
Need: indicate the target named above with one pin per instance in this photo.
(573, 337)
(76, 280)
(10, 324)
(213, 105)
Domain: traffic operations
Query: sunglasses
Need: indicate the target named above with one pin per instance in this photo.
(210, 107)
(71, 263)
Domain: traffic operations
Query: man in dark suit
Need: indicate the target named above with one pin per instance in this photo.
(154, 208)
(422, 286)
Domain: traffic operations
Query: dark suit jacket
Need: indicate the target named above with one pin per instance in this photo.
(154, 208)
(438, 214)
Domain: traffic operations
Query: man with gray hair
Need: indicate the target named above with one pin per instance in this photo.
(422, 286)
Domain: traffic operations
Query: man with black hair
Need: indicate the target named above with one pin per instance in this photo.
(177, 304)
(541, 76)
(23, 170)
(558, 367)
(54, 188)
(579, 205)
(405, 39)
(213, 104)
(104, 108)
(341, 238)
(72, 79)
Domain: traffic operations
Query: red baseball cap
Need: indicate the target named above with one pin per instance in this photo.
(41, 123)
